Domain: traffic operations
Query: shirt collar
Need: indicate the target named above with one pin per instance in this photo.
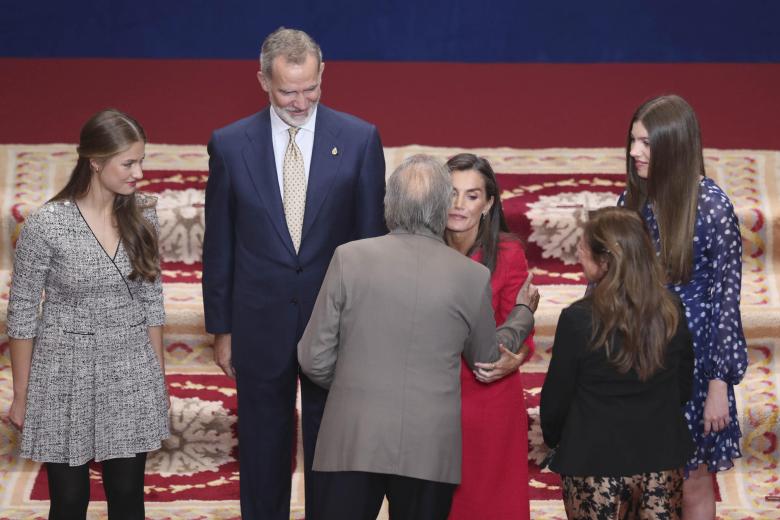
(422, 232)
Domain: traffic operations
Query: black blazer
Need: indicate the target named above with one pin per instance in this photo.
(604, 423)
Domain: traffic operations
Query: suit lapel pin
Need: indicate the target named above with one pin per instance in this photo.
(334, 152)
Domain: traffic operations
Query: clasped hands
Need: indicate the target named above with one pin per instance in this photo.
(509, 362)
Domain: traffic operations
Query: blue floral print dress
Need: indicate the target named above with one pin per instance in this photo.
(711, 301)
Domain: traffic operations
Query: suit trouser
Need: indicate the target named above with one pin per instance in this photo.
(266, 440)
(357, 495)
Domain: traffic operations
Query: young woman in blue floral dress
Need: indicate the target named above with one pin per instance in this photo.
(697, 237)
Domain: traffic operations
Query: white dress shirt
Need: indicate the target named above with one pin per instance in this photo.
(304, 139)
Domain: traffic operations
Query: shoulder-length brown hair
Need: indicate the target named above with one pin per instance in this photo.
(631, 299)
(104, 135)
(493, 227)
(672, 184)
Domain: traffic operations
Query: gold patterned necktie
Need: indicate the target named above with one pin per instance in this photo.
(294, 188)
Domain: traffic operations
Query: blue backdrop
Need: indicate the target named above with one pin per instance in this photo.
(557, 31)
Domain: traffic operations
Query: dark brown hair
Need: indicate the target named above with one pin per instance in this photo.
(630, 300)
(493, 225)
(103, 136)
(672, 184)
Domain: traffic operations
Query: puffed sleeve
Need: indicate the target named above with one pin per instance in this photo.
(726, 357)
(151, 293)
(560, 384)
(512, 271)
(31, 267)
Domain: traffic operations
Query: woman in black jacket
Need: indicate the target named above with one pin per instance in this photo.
(621, 370)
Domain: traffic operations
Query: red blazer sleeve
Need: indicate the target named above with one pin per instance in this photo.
(509, 275)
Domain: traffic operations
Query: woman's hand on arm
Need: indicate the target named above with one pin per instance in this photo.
(506, 365)
(528, 295)
(21, 358)
(516, 290)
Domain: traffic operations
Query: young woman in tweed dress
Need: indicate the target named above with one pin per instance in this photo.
(88, 371)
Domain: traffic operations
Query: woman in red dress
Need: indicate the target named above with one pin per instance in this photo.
(494, 481)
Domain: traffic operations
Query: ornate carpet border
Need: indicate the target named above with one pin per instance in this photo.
(29, 175)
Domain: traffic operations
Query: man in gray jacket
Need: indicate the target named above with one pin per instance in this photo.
(391, 322)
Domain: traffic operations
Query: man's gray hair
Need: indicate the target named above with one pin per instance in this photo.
(292, 44)
(418, 195)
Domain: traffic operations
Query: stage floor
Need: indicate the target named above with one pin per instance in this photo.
(555, 134)
(545, 193)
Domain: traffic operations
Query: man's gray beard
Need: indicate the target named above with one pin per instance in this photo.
(284, 115)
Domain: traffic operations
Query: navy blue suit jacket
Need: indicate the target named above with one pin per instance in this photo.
(254, 285)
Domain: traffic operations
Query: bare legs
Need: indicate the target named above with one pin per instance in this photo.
(699, 495)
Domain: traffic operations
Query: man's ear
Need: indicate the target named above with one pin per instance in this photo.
(263, 81)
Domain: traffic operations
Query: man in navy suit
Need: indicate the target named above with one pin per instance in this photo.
(263, 264)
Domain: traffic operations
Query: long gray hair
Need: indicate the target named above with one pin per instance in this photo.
(418, 196)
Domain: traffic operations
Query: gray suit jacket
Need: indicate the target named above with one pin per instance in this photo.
(392, 319)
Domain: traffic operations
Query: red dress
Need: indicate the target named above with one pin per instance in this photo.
(494, 476)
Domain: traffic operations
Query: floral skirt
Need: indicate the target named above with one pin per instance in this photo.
(656, 496)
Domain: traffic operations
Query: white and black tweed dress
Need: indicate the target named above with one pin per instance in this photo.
(96, 390)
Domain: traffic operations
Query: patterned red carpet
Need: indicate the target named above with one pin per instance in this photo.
(199, 461)
(546, 194)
